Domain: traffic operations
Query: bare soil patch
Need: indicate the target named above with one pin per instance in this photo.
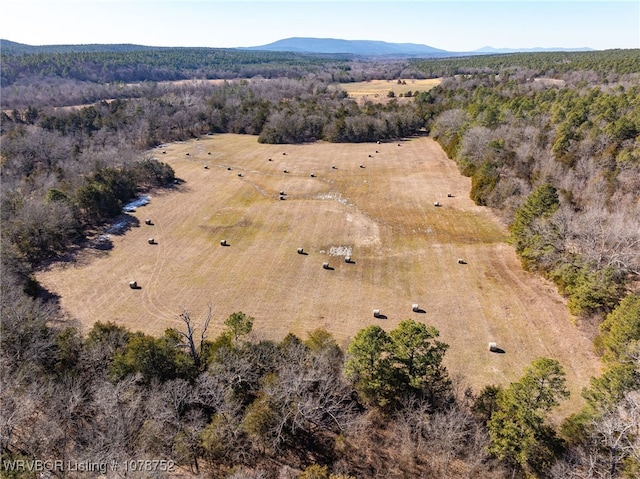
(379, 209)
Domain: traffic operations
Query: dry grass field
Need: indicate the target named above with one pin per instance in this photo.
(377, 205)
(377, 90)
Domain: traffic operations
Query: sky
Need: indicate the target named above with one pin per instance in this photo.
(453, 25)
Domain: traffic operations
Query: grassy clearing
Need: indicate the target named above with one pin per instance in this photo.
(404, 249)
(378, 90)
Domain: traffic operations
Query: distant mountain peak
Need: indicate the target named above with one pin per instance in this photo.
(354, 47)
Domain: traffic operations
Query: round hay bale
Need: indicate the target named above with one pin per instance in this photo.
(208, 153)
(347, 259)
(240, 175)
(300, 251)
(148, 222)
(228, 168)
(282, 193)
(461, 261)
(437, 203)
(133, 284)
(378, 142)
(285, 171)
(313, 175)
(325, 265)
(361, 166)
(187, 154)
(284, 152)
(370, 156)
(281, 197)
(449, 195)
(151, 241)
(164, 152)
(415, 308)
(334, 167)
(206, 167)
(270, 159)
(376, 313)
(493, 347)
(223, 242)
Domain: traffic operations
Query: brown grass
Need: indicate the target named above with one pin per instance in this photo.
(404, 249)
(378, 90)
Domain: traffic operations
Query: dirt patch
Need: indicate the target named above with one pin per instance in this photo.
(405, 251)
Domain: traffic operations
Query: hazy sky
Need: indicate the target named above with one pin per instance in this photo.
(454, 25)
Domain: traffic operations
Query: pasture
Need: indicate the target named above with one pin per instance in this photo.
(372, 202)
(377, 90)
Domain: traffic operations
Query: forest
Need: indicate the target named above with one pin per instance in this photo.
(551, 143)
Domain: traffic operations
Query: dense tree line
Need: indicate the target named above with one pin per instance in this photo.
(557, 159)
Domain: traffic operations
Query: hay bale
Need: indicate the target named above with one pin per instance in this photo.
(461, 261)
(334, 167)
(208, 153)
(224, 243)
(361, 166)
(370, 156)
(284, 153)
(270, 159)
(148, 222)
(437, 203)
(415, 308)
(187, 154)
(313, 175)
(376, 313)
(282, 193)
(228, 168)
(240, 175)
(347, 259)
(449, 195)
(133, 285)
(151, 241)
(206, 167)
(164, 152)
(325, 265)
(281, 197)
(493, 347)
(300, 251)
(378, 142)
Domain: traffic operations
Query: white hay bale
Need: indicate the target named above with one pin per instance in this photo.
(461, 261)
(334, 167)
(206, 167)
(300, 251)
(347, 259)
(437, 203)
(133, 284)
(223, 242)
(313, 175)
(325, 265)
(361, 166)
(415, 308)
(151, 241)
(240, 175)
(285, 171)
(147, 221)
(449, 195)
(282, 193)
(376, 313)
(493, 347)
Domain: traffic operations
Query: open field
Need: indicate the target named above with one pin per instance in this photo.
(377, 90)
(404, 251)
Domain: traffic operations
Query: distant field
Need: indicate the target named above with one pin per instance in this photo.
(378, 90)
(404, 251)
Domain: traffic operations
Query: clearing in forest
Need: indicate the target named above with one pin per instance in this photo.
(372, 202)
(378, 90)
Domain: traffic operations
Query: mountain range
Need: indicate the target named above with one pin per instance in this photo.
(365, 48)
